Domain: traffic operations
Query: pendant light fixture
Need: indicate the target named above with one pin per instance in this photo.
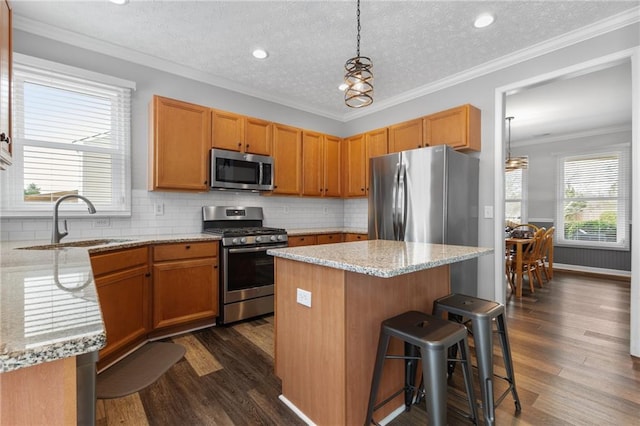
(358, 77)
(514, 163)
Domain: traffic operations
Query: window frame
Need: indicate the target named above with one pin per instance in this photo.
(622, 152)
(13, 203)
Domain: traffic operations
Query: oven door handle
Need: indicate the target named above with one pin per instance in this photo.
(254, 249)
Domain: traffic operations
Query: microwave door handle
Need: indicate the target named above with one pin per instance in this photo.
(261, 174)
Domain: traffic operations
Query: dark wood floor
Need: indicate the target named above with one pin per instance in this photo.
(570, 343)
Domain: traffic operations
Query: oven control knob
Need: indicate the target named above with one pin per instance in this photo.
(243, 240)
(258, 239)
(280, 238)
(234, 241)
(273, 238)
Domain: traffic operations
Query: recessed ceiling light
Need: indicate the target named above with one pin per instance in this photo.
(483, 20)
(119, 2)
(260, 54)
(343, 87)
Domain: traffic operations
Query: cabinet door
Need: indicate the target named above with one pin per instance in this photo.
(287, 155)
(354, 177)
(407, 135)
(179, 146)
(312, 180)
(457, 127)
(257, 136)
(125, 304)
(302, 240)
(228, 131)
(331, 166)
(6, 49)
(376, 145)
(184, 291)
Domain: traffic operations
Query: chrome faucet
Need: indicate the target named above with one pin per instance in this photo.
(56, 235)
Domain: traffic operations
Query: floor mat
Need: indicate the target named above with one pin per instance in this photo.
(138, 369)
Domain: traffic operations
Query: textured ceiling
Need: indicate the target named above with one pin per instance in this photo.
(413, 44)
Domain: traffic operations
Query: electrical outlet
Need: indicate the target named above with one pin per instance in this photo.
(159, 209)
(325, 210)
(102, 223)
(303, 297)
(285, 209)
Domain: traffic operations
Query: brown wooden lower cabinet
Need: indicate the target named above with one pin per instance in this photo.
(313, 239)
(185, 283)
(124, 289)
(135, 304)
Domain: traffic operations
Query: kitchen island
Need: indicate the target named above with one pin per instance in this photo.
(326, 335)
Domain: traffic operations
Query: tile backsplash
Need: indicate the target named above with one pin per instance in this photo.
(167, 213)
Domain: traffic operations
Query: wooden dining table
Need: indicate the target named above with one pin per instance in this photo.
(519, 243)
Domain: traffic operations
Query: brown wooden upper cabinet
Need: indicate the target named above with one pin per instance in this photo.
(357, 151)
(320, 165)
(287, 156)
(407, 135)
(179, 144)
(236, 132)
(457, 127)
(6, 49)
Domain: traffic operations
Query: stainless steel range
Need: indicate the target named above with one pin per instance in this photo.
(246, 273)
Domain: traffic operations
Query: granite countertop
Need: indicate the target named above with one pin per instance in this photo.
(380, 258)
(49, 306)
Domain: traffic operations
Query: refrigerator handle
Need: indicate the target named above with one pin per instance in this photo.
(394, 209)
(402, 205)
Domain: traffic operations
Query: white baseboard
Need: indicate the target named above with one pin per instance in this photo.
(296, 410)
(591, 270)
(308, 421)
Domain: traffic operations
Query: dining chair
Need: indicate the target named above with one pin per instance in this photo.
(546, 254)
(530, 255)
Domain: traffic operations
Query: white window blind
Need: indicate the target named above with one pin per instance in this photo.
(515, 196)
(72, 136)
(593, 199)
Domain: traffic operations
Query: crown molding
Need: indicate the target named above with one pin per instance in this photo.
(604, 26)
(569, 136)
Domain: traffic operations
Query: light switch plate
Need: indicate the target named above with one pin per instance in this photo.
(488, 212)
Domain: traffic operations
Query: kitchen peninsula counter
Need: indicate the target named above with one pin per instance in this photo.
(325, 352)
(50, 317)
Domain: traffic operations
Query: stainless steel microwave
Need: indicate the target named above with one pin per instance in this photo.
(236, 170)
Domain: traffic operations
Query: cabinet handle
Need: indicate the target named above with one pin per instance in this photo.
(148, 274)
(239, 144)
(215, 267)
(362, 189)
(187, 247)
(247, 146)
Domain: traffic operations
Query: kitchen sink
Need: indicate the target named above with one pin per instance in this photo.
(83, 243)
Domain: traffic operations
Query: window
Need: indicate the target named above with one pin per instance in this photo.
(515, 186)
(593, 196)
(72, 136)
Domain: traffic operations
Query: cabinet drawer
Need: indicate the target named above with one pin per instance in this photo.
(355, 237)
(185, 251)
(113, 261)
(329, 238)
(302, 240)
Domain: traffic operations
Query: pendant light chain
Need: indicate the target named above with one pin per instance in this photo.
(358, 39)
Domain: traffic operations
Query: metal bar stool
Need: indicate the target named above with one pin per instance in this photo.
(481, 312)
(433, 337)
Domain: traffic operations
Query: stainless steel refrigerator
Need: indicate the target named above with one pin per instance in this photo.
(428, 195)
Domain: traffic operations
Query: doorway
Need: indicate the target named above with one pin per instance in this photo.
(501, 93)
